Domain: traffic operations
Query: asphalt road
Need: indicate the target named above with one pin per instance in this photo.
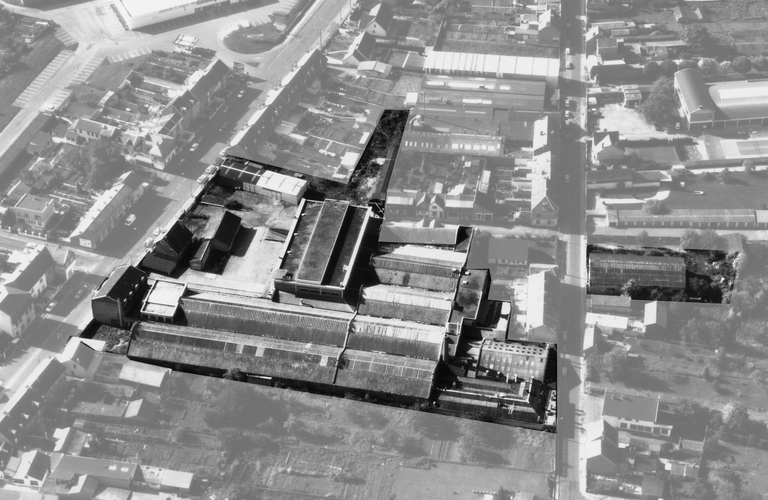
(569, 464)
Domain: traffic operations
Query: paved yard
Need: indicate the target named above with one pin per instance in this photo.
(626, 121)
(746, 192)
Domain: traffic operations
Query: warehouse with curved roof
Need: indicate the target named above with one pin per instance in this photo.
(720, 105)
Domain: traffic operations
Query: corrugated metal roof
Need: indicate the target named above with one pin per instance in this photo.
(614, 269)
(689, 215)
(740, 100)
(693, 90)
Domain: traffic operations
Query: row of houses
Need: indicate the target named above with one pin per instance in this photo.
(26, 277)
(159, 127)
(636, 437)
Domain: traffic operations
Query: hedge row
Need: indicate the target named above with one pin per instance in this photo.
(658, 140)
(733, 162)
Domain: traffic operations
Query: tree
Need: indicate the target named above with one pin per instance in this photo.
(742, 64)
(749, 166)
(687, 64)
(630, 289)
(181, 435)
(709, 66)
(651, 69)
(726, 67)
(668, 67)
(705, 374)
(735, 416)
(100, 162)
(616, 366)
(9, 218)
(709, 239)
(760, 63)
(661, 104)
(642, 238)
(725, 176)
(654, 207)
(234, 374)
(657, 294)
(696, 35)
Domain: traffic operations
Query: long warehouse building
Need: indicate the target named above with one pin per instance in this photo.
(141, 13)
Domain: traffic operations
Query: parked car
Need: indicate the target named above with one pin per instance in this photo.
(240, 94)
(567, 178)
(677, 126)
(567, 103)
(194, 146)
(80, 292)
(130, 220)
(50, 307)
(569, 66)
(568, 114)
(698, 192)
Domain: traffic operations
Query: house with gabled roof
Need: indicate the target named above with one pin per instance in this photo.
(361, 49)
(602, 451)
(606, 147)
(634, 413)
(29, 469)
(17, 311)
(544, 211)
(169, 250)
(542, 323)
(34, 270)
(114, 301)
(378, 21)
(80, 358)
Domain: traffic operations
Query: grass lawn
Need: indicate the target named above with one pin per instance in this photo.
(110, 76)
(749, 463)
(664, 155)
(747, 191)
(253, 40)
(30, 65)
(674, 371)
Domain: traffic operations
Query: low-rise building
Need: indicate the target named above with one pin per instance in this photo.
(33, 270)
(606, 147)
(34, 211)
(634, 413)
(361, 49)
(107, 211)
(602, 452)
(378, 21)
(114, 301)
(608, 273)
(542, 319)
(322, 230)
(17, 311)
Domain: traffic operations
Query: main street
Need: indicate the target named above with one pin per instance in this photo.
(571, 473)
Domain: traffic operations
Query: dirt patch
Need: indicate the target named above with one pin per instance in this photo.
(628, 121)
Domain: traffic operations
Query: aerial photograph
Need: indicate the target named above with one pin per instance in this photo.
(352, 249)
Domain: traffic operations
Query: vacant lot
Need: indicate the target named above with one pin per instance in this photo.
(30, 65)
(674, 371)
(628, 121)
(663, 155)
(746, 191)
(445, 480)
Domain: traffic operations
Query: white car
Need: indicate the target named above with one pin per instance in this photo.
(567, 178)
(241, 94)
(130, 220)
(194, 146)
(698, 192)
